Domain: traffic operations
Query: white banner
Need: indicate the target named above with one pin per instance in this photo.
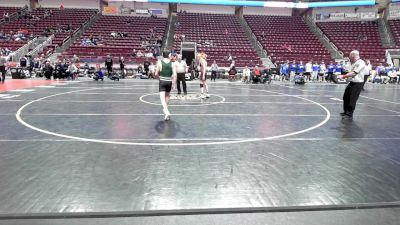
(352, 15)
(394, 13)
(142, 11)
(337, 16)
(368, 15)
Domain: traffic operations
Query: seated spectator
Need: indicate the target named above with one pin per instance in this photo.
(6, 16)
(134, 53)
(140, 69)
(246, 74)
(139, 54)
(392, 75)
(256, 75)
(232, 73)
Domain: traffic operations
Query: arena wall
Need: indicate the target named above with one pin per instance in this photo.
(345, 13)
(207, 8)
(128, 8)
(394, 11)
(83, 4)
(267, 11)
(18, 3)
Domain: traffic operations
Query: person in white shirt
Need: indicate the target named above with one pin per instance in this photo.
(181, 69)
(308, 72)
(73, 71)
(214, 70)
(368, 68)
(356, 72)
(139, 54)
(246, 74)
(392, 75)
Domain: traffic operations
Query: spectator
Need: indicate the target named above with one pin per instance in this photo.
(392, 75)
(315, 71)
(246, 74)
(6, 16)
(152, 70)
(134, 53)
(331, 70)
(322, 71)
(292, 70)
(256, 75)
(284, 70)
(109, 65)
(23, 62)
(139, 54)
(149, 55)
(48, 70)
(3, 67)
(232, 73)
(214, 70)
(140, 69)
(309, 70)
(146, 65)
(122, 66)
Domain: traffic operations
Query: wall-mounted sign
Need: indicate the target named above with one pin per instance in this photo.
(110, 10)
(142, 11)
(368, 15)
(337, 16)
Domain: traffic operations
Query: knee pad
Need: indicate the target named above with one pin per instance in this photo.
(201, 85)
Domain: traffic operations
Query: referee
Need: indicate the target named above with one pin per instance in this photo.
(353, 89)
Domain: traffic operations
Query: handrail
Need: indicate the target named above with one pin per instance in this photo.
(40, 47)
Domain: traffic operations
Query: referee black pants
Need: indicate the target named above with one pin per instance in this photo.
(350, 97)
(181, 77)
(213, 75)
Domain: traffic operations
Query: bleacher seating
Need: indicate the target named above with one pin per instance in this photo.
(356, 35)
(58, 18)
(395, 27)
(9, 10)
(134, 27)
(287, 38)
(211, 27)
(12, 45)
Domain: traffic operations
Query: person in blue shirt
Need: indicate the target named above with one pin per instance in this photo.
(339, 68)
(315, 71)
(284, 70)
(300, 68)
(292, 70)
(388, 68)
(331, 70)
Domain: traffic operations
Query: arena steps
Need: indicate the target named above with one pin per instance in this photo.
(386, 34)
(335, 53)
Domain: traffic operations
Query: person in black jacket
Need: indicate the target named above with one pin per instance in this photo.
(122, 66)
(109, 65)
(146, 65)
(48, 70)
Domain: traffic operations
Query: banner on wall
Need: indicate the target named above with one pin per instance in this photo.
(322, 16)
(368, 15)
(337, 16)
(156, 11)
(142, 11)
(352, 15)
(394, 13)
(110, 10)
